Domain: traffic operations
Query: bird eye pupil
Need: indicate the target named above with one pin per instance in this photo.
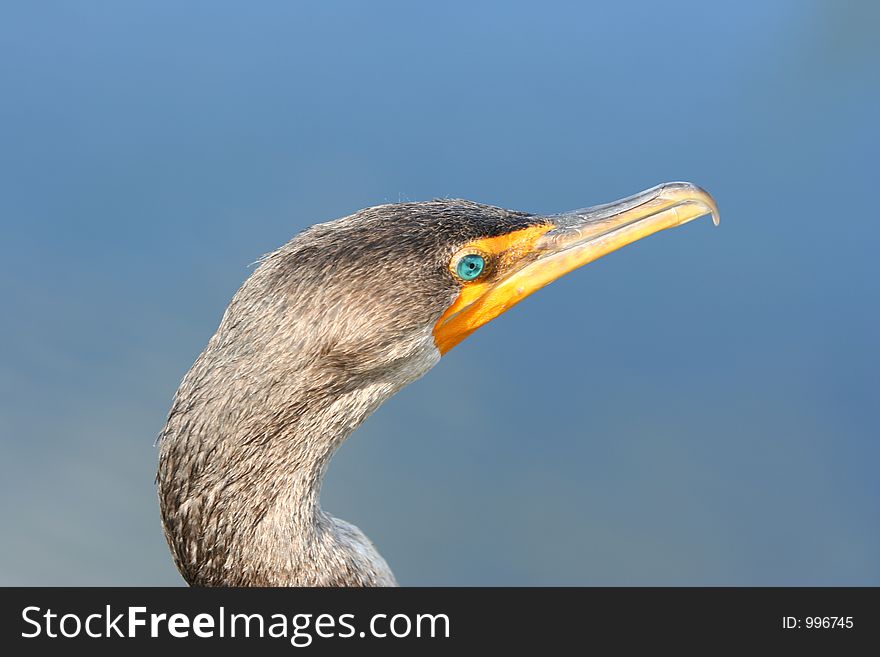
(470, 266)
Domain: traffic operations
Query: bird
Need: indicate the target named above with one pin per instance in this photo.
(324, 330)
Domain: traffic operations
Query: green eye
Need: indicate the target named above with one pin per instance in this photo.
(470, 266)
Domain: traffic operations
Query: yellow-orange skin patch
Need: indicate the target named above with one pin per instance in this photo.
(483, 300)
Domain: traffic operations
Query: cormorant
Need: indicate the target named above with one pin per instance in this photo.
(326, 329)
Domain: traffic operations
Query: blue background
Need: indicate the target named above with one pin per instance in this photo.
(699, 408)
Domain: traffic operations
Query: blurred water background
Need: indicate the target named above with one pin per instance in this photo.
(700, 408)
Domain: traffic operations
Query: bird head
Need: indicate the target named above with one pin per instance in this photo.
(380, 295)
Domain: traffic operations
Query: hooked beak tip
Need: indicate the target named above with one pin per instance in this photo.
(685, 193)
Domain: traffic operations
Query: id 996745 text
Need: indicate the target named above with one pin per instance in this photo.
(817, 622)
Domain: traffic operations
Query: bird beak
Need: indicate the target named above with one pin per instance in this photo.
(568, 241)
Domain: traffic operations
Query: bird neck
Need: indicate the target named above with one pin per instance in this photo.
(240, 500)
